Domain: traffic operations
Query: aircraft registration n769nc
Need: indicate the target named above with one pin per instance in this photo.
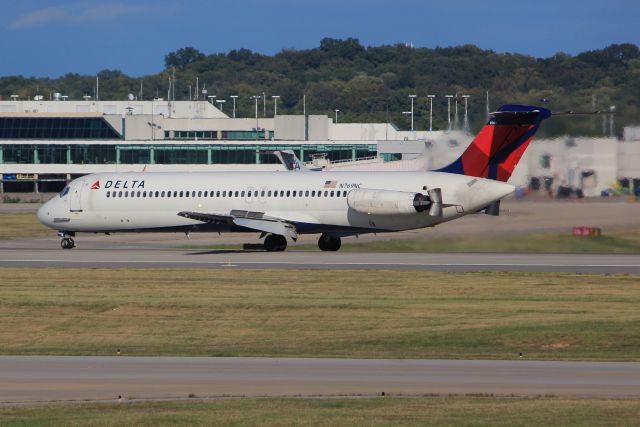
(281, 205)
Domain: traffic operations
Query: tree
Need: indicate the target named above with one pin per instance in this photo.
(182, 57)
(347, 49)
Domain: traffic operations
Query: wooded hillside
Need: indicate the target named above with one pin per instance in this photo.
(372, 83)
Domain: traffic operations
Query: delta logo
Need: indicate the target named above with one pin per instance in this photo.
(95, 185)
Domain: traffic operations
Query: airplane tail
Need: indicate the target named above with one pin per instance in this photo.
(498, 147)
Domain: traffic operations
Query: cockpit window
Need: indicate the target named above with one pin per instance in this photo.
(64, 191)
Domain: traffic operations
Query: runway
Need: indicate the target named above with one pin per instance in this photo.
(453, 262)
(61, 378)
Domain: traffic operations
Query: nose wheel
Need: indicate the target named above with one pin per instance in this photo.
(67, 243)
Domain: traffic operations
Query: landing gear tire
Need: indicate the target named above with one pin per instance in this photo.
(67, 243)
(275, 243)
(329, 243)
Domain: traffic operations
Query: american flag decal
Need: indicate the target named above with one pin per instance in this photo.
(330, 184)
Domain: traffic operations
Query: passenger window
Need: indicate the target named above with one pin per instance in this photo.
(344, 193)
(206, 193)
(108, 193)
(242, 194)
(137, 194)
(144, 194)
(313, 193)
(331, 194)
(236, 193)
(182, 194)
(157, 192)
(306, 193)
(120, 193)
(326, 193)
(269, 193)
(288, 193)
(161, 194)
(218, 193)
(175, 193)
(294, 193)
(126, 194)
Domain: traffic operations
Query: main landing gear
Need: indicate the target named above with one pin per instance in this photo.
(67, 243)
(327, 242)
(275, 243)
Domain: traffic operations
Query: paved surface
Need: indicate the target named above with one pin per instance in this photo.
(146, 258)
(56, 378)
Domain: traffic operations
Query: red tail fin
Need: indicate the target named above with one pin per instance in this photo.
(497, 149)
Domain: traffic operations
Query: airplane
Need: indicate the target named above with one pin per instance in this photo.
(281, 205)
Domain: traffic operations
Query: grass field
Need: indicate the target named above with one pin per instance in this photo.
(336, 412)
(14, 225)
(395, 314)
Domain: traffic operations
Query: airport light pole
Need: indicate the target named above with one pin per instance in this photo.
(234, 104)
(456, 122)
(407, 113)
(221, 103)
(337, 115)
(412, 97)
(275, 104)
(211, 99)
(466, 117)
(264, 104)
(448, 111)
(256, 97)
(612, 132)
(431, 111)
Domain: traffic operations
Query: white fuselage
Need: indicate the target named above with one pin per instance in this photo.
(314, 202)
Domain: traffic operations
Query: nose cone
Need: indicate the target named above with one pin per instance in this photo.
(45, 215)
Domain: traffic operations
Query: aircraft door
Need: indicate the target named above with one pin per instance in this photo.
(75, 196)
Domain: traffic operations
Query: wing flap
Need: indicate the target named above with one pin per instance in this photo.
(253, 220)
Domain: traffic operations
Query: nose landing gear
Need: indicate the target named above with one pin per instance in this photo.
(67, 243)
(67, 239)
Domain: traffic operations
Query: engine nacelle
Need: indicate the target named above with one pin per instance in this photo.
(387, 202)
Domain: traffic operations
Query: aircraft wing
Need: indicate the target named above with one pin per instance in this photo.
(254, 220)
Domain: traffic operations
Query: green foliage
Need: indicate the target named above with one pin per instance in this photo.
(181, 58)
(372, 83)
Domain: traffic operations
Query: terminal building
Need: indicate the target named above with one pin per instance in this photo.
(44, 144)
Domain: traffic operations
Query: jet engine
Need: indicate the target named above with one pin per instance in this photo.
(389, 202)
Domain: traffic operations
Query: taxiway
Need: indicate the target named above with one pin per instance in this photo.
(455, 262)
(25, 379)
